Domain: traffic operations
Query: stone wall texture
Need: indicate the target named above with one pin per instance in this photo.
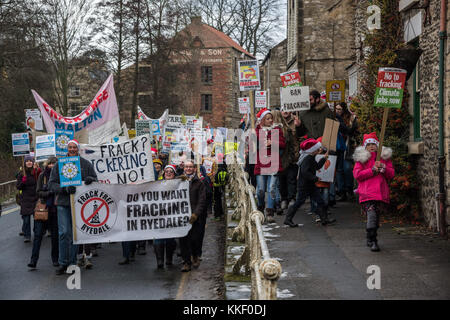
(273, 65)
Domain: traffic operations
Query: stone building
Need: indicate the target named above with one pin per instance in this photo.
(421, 24)
(207, 81)
(272, 66)
(320, 39)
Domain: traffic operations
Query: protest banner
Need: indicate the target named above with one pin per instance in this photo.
(190, 122)
(108, 213)
(69, 171)
(326, 173)
(20, 144)
(45, 147)
(100, 119)
(199, 141)
(141, 115)
(121, 163)
(290, 78)
(388, 94)
(294, 99)
(62, 138)
(33, 119)
(260, 99)
(143, 127)
(335, 91)
(249, 75)
(244, 105)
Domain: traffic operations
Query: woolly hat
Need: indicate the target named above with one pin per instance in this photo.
(262, 113)
(171, 166)
(74, 141)
(310, 145)
(370, 138)
(157, 161)
(28, 158)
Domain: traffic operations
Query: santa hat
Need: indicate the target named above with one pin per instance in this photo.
(74, 141)
(171, 166)
(154, 151)
(262, 113)
(370, 138)
(310, 145)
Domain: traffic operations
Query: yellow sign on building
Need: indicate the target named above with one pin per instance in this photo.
(336, 91)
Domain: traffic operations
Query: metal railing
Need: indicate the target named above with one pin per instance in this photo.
(264, 270)
(7, 189)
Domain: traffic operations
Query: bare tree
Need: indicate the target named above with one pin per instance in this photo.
(66, 32)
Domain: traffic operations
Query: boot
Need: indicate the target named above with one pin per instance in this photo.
(186, 267)
(269, 215)
(372, 242)
(170, 248)
(289, 216)
(159, 253)
(324, 216)
(369, 237)
(374, 247)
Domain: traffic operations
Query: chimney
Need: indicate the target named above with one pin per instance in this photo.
(197, 20)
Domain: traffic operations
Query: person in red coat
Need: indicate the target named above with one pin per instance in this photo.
(270, 144)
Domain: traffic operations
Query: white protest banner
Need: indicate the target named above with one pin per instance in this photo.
(110, 213)
(326, 173)
(244, 105)
(249, 75)
(141, 115)
(33, 119)
(100, 119)
(45, 147)
(260, 99)
(121, 163)
(294, 99)
(20, 144)
(198, 141)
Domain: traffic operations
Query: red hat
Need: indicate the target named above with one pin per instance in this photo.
(370, 138)
(310, 145)
(262, 113)
(171, 166)
(154, 151)
(74, 141)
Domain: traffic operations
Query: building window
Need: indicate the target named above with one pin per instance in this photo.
(207, 74)
(74, 91)
(207, 102)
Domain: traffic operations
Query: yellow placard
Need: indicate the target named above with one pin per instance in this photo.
(336, 91)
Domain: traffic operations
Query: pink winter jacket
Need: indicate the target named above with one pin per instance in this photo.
(370, 186)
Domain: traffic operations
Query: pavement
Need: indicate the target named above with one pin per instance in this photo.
(332, 262)
(140, 280)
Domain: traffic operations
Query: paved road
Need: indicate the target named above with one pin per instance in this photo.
(332, 262)
(107, 280)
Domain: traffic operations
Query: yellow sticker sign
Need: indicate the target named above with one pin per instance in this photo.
(336, 91)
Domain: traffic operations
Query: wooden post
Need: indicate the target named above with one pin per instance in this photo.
(383, 129)
(252, 109)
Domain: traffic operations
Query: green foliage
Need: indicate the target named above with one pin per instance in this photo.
(383, 46)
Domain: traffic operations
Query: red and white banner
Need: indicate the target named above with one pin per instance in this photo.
(100, 118)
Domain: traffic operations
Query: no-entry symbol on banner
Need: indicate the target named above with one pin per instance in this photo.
(97, 212)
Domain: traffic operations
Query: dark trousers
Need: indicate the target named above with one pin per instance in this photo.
(26, 226)
(288, 182)
(39, 230)
(302, 195)
(128, 247)
(372, 210)
(190, 245)
(218, 209)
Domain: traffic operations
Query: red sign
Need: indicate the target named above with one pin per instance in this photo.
(290, 78)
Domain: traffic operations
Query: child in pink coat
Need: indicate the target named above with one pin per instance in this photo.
(372, 177)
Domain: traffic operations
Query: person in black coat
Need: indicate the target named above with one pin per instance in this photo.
(48, 197)
(190, 245)
(26, 184)
(306, 181)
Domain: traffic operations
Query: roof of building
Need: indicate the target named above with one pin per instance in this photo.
(211, 37)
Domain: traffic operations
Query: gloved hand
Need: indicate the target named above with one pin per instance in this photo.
(71, 189)
(375, 170)
(24, 179)
(183, 177)
(89, 180)
(193, 218)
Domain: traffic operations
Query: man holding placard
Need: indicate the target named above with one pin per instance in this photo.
(67, 250)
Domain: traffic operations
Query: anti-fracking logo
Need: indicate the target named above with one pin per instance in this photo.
(98, 212)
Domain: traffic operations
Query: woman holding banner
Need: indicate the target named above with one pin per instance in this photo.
(26, 184)
(166, 246)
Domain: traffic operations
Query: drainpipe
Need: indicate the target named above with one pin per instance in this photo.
(441, 195)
